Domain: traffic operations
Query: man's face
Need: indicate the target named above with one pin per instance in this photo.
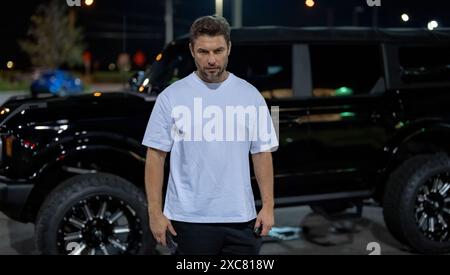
(211, 57)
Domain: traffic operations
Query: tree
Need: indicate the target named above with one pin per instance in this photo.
(53, 38)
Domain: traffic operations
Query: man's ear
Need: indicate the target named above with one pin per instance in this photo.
(229, 48)
(191, 48)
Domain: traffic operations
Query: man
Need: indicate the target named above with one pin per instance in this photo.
(209, 206)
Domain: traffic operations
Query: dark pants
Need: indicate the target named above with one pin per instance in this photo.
(216, 238)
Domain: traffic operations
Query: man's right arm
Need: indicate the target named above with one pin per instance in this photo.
(154, 177)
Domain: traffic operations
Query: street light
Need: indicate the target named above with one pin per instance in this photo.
(432, 25)
(310, 3)
(72, 12)
(10, 65)
(89, 2)
(405, 17)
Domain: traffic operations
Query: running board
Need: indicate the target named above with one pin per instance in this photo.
(302, 200)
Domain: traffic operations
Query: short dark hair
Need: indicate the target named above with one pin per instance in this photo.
(210, 25)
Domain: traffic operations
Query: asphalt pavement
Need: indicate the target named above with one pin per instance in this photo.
(316, 235)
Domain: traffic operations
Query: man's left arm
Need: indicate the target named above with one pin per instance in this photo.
(262, 166)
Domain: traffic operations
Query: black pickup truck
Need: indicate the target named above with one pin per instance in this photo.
(363, 115)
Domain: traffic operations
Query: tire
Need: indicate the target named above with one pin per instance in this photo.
(416, 203)
(94, 214)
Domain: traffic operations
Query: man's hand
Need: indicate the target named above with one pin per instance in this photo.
(154, 175)
(159, 225)
(265, 219)
(262, 164)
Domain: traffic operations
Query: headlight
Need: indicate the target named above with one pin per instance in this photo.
(4, 111)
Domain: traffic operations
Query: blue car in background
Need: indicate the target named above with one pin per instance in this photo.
(56, 82)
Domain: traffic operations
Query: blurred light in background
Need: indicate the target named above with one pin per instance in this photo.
(89, 2)
(310, 3)
(112, 66)
(343, 91)
(405, 17)
(10, 65)
(432, 25)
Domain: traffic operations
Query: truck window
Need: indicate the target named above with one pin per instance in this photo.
(345, 70)
(267, 67)
(422, 64)
(174, 63)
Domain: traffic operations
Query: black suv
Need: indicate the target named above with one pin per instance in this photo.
(363, 115)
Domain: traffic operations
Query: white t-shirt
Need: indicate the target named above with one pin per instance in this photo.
(210, 128)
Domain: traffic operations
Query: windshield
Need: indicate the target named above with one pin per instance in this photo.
(174, 63)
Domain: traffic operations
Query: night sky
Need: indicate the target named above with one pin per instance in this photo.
(103, 23)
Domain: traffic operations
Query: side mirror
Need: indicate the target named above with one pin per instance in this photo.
(140, 82)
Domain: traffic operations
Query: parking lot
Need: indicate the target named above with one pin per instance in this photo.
(318, 236)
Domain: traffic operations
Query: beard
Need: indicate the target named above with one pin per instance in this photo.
(214, 75)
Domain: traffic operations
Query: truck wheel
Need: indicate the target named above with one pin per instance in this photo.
(416, 203)
(94, 214)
